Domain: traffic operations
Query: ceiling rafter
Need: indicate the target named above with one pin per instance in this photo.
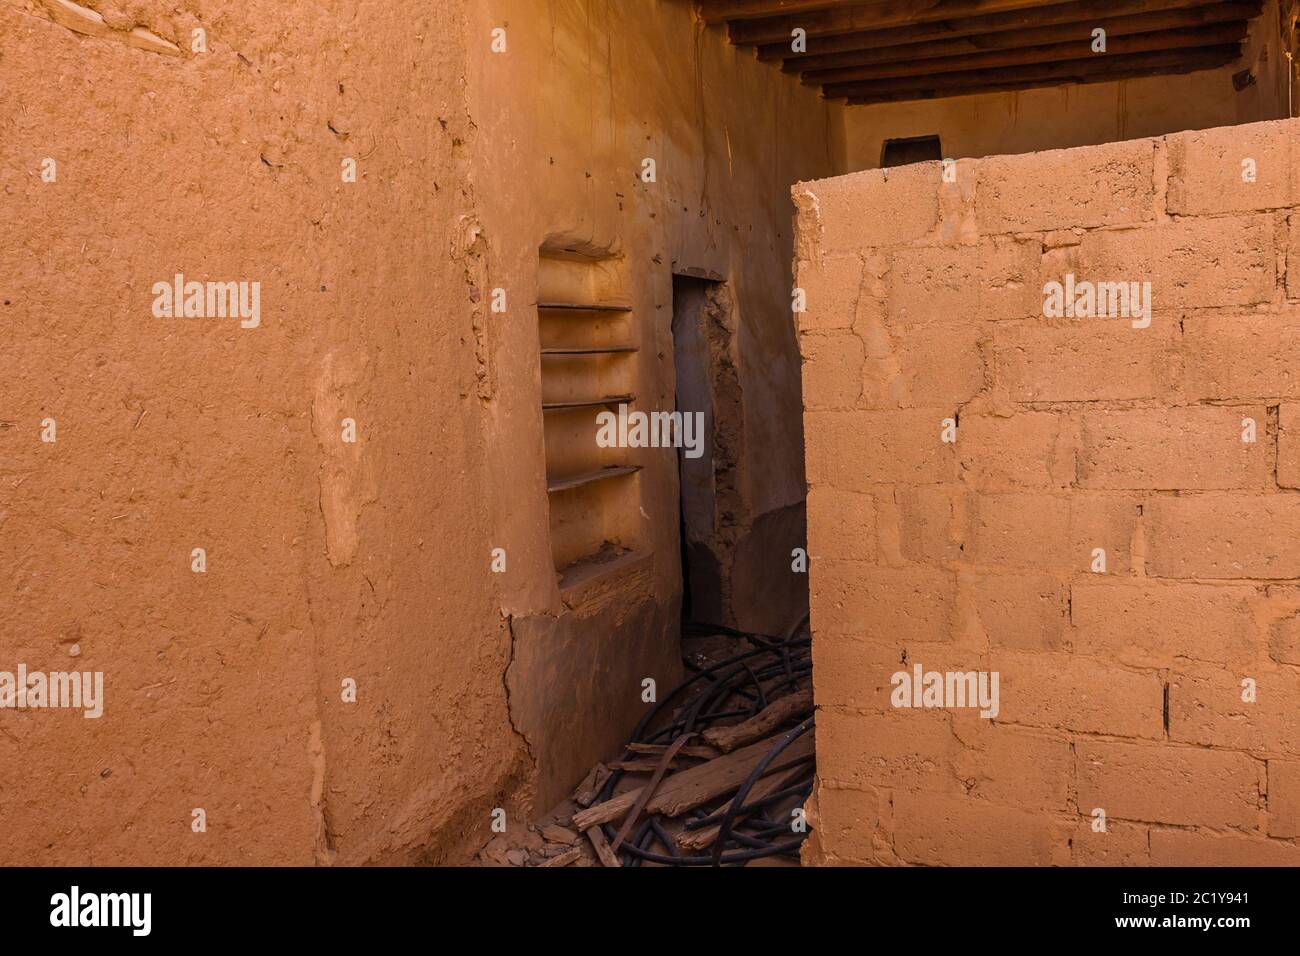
(1077, 49)
(847, 17)
(1049, 74)
(889, 50)
(1001, 30)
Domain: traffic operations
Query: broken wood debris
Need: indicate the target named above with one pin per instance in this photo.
(690, 788)
(702, 838)
(736, 798)
(717, 773)
(558, 834)
(706, 753)
(761, 724)
(641, 765)
(647, 792)
(565, 858)
(586, 792)
(601, 845)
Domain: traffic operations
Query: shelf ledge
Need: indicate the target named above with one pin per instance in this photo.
(588, 403)
(584, 307)
(577, 481)
(591, 351)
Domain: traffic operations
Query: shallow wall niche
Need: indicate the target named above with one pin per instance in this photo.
(577, 676)
(589, 344)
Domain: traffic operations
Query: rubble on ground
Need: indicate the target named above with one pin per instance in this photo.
(717, 773)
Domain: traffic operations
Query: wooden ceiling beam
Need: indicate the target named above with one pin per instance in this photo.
(912, 96)
(1077, 49)
(1094, 69)
(716, 11)
(1021, 86)
(1185, 18)
(1082, 11)
(878, 14)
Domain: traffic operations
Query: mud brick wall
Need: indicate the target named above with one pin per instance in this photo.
(1121, 690)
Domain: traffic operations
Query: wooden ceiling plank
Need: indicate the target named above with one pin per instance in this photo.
(1191, 65)
(1073, 71)
(1082, 11)
(1186, 18)
(877, 14)
(1079, 49)
(716, 11)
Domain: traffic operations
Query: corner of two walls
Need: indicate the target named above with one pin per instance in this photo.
(557, 164)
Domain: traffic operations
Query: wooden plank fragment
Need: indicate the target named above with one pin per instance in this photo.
(761, 724)
(606, 856)
(694, 786)
(565, 858)
(646, 792)
(554, 833)
(703, 838)
(708, 753)
(644, 765)
(587, 791)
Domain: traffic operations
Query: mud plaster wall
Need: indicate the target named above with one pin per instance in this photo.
(585, 90)
(324, 560)
(1064, 116)
(1121, 687)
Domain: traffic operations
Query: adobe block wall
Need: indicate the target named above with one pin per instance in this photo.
(1121, 686)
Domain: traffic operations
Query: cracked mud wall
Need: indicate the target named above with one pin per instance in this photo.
(325, 560)
(584, 91)
(1122, 681)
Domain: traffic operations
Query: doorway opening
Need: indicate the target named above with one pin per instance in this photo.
(706, 386)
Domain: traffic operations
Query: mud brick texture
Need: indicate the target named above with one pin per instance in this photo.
(1102, 510)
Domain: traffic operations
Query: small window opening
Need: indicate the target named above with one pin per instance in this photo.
(913, 149)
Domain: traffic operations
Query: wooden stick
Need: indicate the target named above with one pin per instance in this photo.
(606, 856)
(648, 790)
(761, 724)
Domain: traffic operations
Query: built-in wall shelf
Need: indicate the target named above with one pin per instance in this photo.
(584, 306)
(588, 335)
(577, 481)
(594, 350)
(588, 403)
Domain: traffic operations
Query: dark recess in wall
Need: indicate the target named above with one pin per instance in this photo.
(913, 149)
